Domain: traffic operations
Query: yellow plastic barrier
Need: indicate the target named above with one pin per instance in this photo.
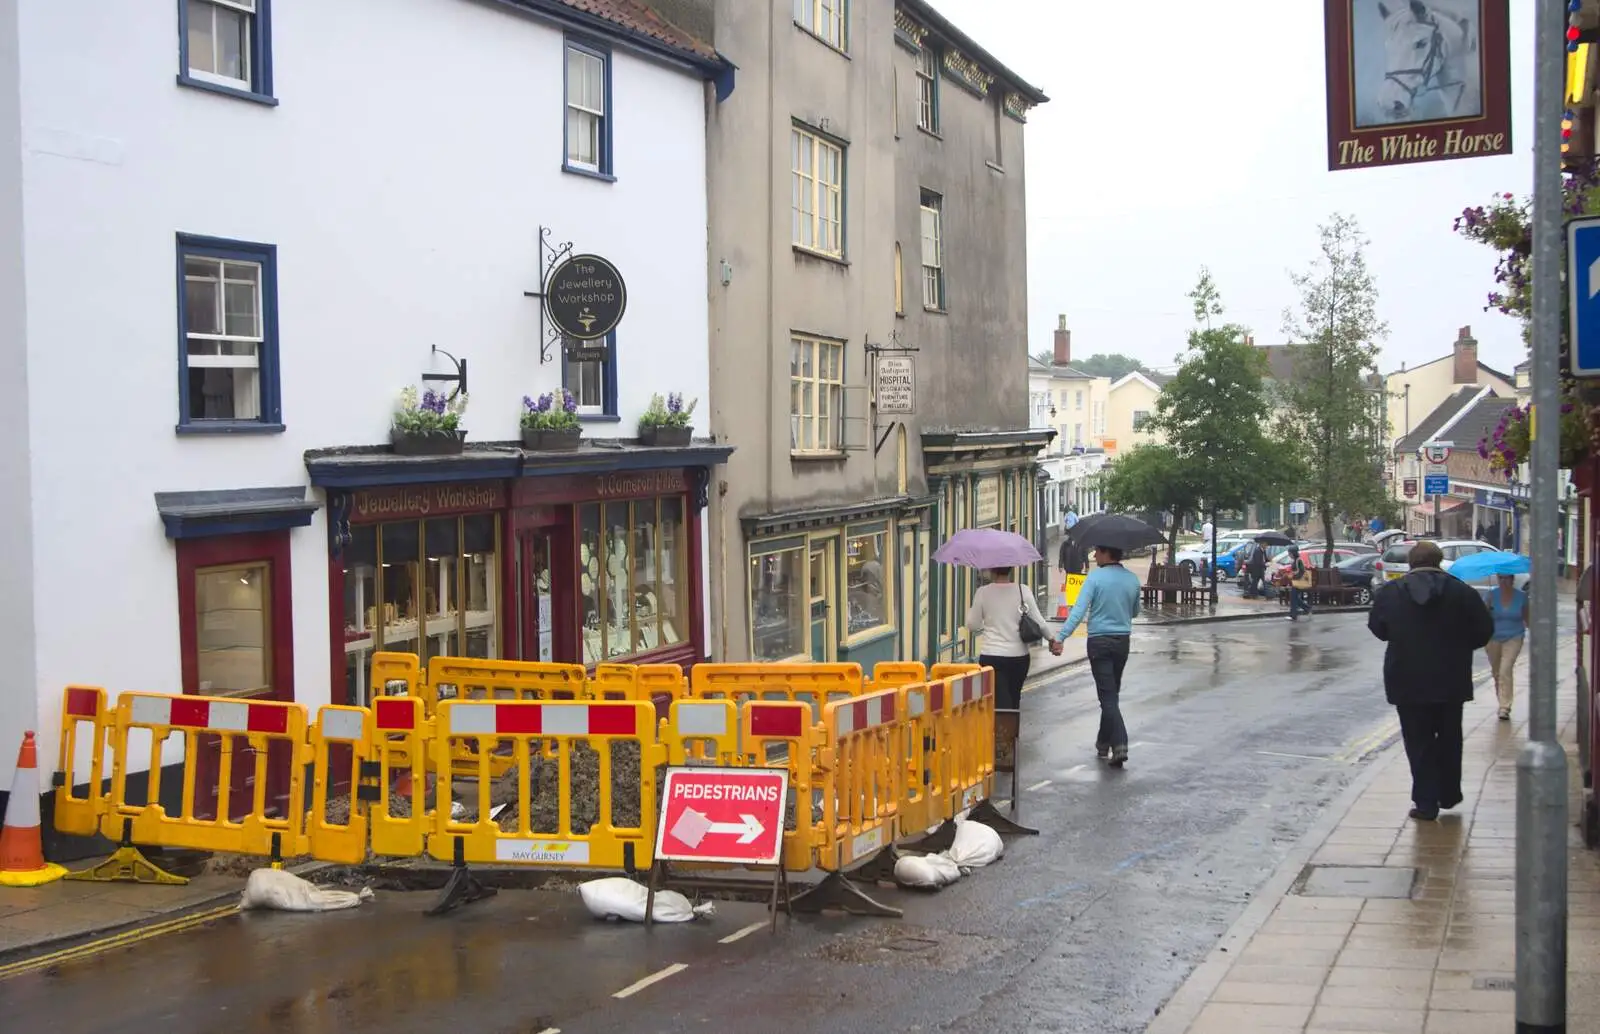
(941, 672)
(814, 684)
(81, 815)
(860, 815)
(397, 674)
(598, 729)
(242, 728)
(780, 733)
(966, 735)
(466, 678)
(341, 744)
(399, 753)
(890, 674)
(704, 732)
(614, 682)
(926, 802)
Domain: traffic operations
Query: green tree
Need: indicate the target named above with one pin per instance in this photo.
(1332, 408)
(1046, 357)
(1153, 478)
(1215, 413)
(1114, 365)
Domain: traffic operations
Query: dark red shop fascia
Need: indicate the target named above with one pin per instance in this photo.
(590, 557)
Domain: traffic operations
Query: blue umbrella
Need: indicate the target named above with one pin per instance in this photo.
(1485, 565)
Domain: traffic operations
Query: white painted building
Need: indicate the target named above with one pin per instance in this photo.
(231, 232)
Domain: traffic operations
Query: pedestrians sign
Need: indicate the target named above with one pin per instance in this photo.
(1583, 287)
(732, 815)
(1436, 484)
(1436, 454)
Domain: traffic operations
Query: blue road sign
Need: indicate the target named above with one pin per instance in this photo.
(1583, 287)
(1436, 484)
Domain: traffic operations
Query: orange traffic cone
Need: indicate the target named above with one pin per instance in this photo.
(22, 861)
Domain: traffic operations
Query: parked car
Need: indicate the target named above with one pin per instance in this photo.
(1357, 571)
(1195, 557)
(1395, 561)
(1314, 557)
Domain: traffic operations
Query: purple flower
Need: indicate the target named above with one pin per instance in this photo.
(433, 402)
(569, 402)
(674, 403)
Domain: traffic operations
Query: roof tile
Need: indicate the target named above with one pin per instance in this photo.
(636, 17)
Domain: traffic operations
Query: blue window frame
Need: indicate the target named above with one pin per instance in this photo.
(227, 337)
(587, 124)
(589, 371)
(225, 46)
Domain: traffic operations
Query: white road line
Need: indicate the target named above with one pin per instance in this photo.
(551, 1030)
(654, 978)
(1076, 768)
(1303, 757)
(1040, 785)
(739, 935)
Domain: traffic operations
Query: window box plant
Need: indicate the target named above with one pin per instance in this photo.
(550, 422)
(666, 422)
(428, 425)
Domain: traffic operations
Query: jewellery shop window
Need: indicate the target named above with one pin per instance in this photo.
(867, 581)
(779, 604)
(427, 587)
(634, 594)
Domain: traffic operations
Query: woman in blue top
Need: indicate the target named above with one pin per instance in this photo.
(1509, 605)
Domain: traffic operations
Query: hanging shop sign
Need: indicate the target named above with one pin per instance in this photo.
(897, 385)
(1414, 81)
(986, 503)
(585, 297)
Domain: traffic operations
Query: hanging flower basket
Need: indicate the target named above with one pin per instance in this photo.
(426, 443)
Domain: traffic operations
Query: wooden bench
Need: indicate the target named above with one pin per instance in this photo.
(1327, 590)
(1172, 583)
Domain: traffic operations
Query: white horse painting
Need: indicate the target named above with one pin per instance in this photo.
(1430, 63)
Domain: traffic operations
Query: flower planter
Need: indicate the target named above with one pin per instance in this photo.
(540, 439)
(428, 443)
(671, 437)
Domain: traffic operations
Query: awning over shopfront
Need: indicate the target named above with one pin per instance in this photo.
(238, 511)
(374, 466)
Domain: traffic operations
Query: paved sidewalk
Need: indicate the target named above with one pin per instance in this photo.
(34, 918)
(1439, 962)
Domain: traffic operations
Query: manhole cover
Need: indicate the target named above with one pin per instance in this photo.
(1356, 881)
(1494, 983)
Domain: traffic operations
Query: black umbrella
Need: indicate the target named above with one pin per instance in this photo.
(1274, 538)
(1114, 531)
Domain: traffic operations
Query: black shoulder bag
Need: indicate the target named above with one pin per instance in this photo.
(1028, 630)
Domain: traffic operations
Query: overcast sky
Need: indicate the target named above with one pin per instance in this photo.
(1182, 134)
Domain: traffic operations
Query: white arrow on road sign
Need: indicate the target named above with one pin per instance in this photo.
(1594, 278)
(748, 827)
(693, 827)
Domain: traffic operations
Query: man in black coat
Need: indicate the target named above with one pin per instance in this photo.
(1434, 625)
(1072, 557)
(1255, 570)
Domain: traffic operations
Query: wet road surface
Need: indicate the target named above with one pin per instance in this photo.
(1242, 732)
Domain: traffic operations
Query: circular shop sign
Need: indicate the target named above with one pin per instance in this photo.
(585, 297)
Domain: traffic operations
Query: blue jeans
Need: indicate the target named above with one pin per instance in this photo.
(1297, 602)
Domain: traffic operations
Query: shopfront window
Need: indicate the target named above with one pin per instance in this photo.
(428, 587)
(233, 614)
(633, 583)
(867, 581)
(779, 603)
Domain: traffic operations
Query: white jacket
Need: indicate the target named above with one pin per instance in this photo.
(994, 614)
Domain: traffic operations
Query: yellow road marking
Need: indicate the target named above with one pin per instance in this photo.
(117, 940)
(1361, 746)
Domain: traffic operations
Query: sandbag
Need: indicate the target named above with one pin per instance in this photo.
(931, 871)
(617, 897)
(976, 845)
(283, 891)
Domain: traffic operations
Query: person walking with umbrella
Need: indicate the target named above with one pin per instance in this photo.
(1003, 614)
(1109, 600)
(1508, 605)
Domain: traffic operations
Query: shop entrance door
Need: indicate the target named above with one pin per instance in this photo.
(822, 595)
(544, 602)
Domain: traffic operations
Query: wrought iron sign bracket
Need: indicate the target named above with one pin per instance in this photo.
(550, 256)
(459, 378)
(873, 350)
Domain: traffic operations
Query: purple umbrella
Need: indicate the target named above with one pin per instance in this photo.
(987, 548)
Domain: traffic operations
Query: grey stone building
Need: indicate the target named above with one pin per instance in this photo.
(868, 324)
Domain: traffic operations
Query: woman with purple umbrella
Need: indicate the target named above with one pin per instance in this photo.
(1004, 615)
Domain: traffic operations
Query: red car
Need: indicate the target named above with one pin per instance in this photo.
(1313, 558)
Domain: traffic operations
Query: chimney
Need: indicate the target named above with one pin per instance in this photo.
(1466, 357)
(1063, 342)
